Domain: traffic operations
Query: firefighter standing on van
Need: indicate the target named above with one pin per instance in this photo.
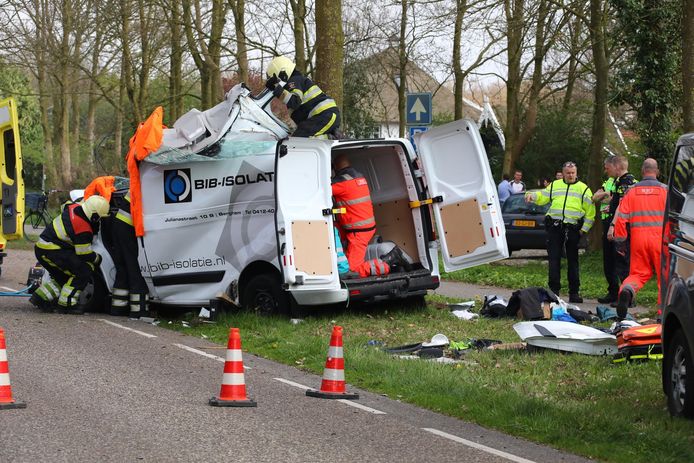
(65, 251)
(571, 213)
(357, 225)
(315, 113)
(643, 209)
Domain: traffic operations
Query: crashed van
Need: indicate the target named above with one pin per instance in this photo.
(234, 207)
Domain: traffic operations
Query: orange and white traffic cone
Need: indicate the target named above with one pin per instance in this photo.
(233, 390)
(333, 384)
(6, 400)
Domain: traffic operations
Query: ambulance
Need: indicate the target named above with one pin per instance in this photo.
(234, 207)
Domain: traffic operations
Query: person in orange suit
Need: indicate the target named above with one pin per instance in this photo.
(357, 225)
(642, 208)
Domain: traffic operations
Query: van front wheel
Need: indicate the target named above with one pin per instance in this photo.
(264, 295)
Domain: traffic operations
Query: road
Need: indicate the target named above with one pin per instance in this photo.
(104, 388)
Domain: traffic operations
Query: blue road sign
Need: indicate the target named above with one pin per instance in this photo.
(413, 130)
(418, 108)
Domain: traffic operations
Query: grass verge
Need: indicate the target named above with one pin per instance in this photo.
(510, 273)
(582, 404)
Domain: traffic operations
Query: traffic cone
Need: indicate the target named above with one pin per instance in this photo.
(333, 384)
(6, 400)
(233, 390)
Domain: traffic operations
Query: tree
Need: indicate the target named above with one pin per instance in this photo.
(688, 65)
(330, 50)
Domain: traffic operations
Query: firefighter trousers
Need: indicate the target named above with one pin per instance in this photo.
(321, 125)
(70, 272)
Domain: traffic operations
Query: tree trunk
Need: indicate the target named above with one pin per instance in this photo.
(575, 49)
(238, 8)
(597, 142)
(49, 165)
(688, 65)
(330, 50)
(176, 63)
(91, 105)
(514, 10)
(127, 62)
(75, 126)
(402, 69)
(215, 48)
(461, 8)
(64, 78)
(299, 20)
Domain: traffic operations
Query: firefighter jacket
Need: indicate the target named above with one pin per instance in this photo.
(351, 191)
(643, 209)
(123, 205)
(303, 98)
(571, 204)
(70, 230)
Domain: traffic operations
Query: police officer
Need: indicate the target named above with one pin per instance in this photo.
(571, 213)
(65, 251)
(315, 113)
(615, 257)
(643, 209)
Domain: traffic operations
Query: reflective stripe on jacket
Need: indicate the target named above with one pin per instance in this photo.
(569, 203)
(70, 230)
(303, 98)
(351, 191)
(643, 208)
(608, 186)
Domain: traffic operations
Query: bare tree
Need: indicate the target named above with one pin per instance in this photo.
(330, 52)
(238, 8)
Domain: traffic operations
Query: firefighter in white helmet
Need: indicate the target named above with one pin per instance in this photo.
(316, 115)
(65, 250)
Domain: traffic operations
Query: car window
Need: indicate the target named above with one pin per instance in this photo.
(516, 204)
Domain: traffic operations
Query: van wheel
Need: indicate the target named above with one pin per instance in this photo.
(264, 295)
(93, 297)
(678, 373)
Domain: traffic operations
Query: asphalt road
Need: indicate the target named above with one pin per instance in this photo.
(100, 388)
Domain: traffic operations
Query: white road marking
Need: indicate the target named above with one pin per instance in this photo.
(141, 333)
(344, 401)
(477, 446)
(205, 354)
(363, 407)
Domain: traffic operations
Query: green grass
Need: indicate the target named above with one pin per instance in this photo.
(534, 273)
(19, 244)
(583, 404)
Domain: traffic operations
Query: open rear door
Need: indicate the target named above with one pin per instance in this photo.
(465, 203)
(12, 213)
(305, 237)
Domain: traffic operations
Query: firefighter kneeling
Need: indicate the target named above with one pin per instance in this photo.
(65, 251)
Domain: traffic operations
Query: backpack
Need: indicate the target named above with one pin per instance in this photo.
(528, 303)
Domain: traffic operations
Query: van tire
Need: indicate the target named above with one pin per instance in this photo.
(680, 387)
(93, 297)
(264, 295)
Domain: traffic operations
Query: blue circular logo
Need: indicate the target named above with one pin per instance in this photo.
(177, 186)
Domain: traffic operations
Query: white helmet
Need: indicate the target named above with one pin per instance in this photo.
(95, 205)
(279, 64)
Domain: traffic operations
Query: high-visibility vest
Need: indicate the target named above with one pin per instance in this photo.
(643, 208)
(608, 186)
(570, 204)
(351, 191)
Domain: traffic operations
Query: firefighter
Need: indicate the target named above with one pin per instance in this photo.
(130, 294)
(615, 256)
(315, 114)
(570, 215)
(357, 225)
(65, 251)
(643, 209)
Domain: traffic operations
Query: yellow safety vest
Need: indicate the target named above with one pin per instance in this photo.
(569, 203)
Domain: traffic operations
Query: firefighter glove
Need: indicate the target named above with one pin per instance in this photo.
(272, 82)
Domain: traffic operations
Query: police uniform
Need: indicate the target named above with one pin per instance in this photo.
(571, 212)
(315, 114)
(357, 225)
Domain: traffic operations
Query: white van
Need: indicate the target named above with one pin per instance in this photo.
(233, 207)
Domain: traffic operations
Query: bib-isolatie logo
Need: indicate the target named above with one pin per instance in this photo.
(177, 186)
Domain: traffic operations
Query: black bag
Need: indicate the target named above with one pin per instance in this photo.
(493, 307)
(529, 301)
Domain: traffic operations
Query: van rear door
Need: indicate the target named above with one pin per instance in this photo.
(305, 237)
(465, 203)
(12, 195)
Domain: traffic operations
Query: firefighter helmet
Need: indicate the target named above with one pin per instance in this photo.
(95, 205)
(279, 64)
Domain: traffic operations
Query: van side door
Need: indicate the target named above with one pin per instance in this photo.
(465, 203)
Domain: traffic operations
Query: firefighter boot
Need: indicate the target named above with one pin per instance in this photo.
(41, 304)
(624, 302)
(396, 259)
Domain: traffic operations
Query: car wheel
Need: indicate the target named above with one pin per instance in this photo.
(264, 294)
(93, 297)
(679, 377)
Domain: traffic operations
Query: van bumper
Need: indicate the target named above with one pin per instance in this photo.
(319, 296)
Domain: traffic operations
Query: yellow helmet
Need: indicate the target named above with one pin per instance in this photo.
(279, 64)
(95, 205)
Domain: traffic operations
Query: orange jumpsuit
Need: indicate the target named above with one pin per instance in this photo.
(643, 209)
(357, 225)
